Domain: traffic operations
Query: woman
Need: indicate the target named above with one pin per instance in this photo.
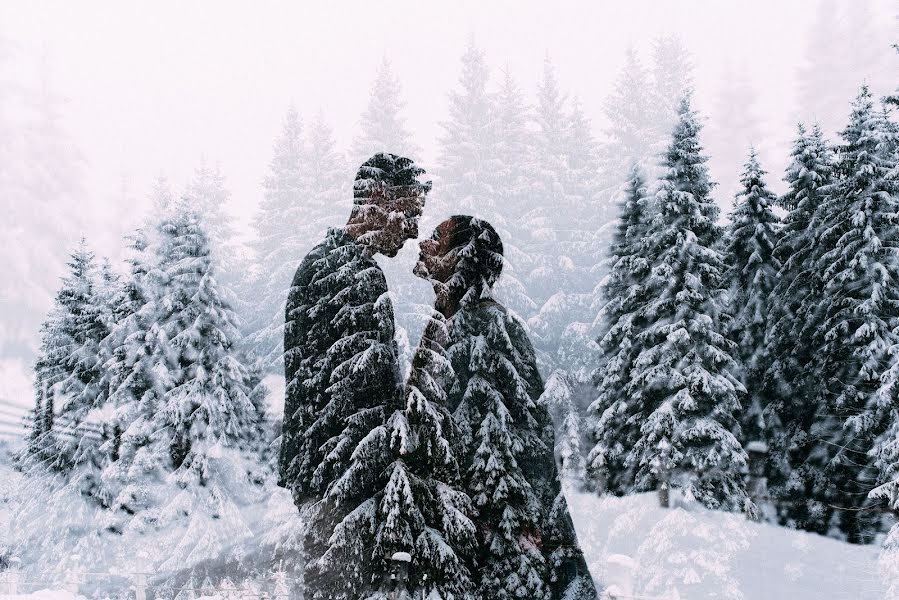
(526, 544)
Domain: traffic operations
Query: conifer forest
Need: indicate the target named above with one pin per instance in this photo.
(539, 301)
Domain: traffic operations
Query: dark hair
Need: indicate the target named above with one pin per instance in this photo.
(479, 256)
(398, 174)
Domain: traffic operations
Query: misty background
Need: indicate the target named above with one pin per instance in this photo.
(118, 94)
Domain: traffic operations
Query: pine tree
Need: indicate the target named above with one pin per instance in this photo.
(752, 272)
(558, 398)
(672, 74)
(188, 406)
(278, 242)
(382, 126)
(631, 134)
(304, 194)
(467, 155)
(614, 417)
(69, 368)
(682, 375)
(793, 313)
(215, 396)
(857, 264)
(425, 510)
(513, 159)
(208, 195)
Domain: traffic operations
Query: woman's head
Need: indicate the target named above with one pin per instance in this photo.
(462, 259)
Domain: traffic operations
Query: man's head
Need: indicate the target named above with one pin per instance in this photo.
(388, 199)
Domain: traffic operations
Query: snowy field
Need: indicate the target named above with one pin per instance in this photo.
(689, 555)
(704, 554)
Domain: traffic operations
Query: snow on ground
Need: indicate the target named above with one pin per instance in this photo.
(685, 554)
(703, 554)
(43, 595)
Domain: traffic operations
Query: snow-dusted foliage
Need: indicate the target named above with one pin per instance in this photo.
(856, 263)
(614, 417)
(558, 399)
(305, 191)
(751, 276)
(69, 375)
(382, 127)
(169, 445)
(425, 508)
(682, 375)
(791, 323)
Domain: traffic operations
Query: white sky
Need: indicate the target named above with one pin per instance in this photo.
(155, 86)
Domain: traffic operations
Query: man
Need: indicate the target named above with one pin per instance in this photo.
(340, 357)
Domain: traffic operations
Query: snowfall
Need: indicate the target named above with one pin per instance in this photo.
(673, 554)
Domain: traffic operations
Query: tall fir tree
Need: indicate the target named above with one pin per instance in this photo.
(190, 408)
(382, 127)
(277, 242)
(305, 192)
(426, 511)
(857, 262)
(69, 369)
(631, 132)
(751, 275)
(791, 323)
(682, 377)
(613, 417)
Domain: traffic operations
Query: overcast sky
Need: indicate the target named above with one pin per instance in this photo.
(153, 87)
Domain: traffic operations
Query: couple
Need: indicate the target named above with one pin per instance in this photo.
(374, 464)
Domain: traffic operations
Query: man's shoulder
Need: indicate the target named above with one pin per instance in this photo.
(334, 238)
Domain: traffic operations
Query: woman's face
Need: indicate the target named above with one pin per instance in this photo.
(435, 260)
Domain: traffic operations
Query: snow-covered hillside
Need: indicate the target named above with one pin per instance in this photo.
(703, 554)
(699, 553)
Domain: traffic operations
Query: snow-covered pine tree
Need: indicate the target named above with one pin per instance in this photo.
(189, 407)
(751, 275)
(41, 199)
(215, 402)
(484, 154)
(613, 417)
(382, 127)
(424, 509)
(858, 263)
(631, 136)
(70, 364)
(467, 157)
(558, 398)
(304, 194)
(682, 375)
(513, 155)
(672, 75)
(207, 194)
(791, 323)
(549, 209)
(278, 241)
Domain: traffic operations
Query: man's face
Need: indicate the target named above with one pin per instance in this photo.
(401, 216)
